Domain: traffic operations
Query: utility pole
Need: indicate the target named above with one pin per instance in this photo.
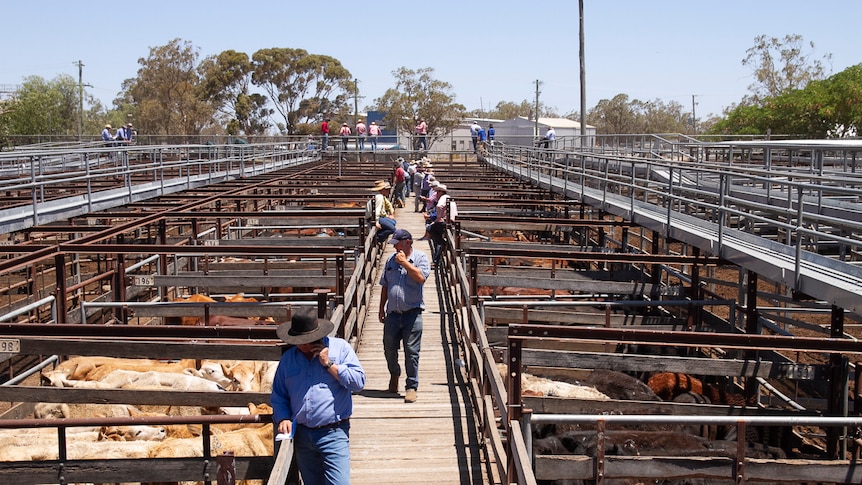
(355, 100)
(356, 113)
(536, 129)
(80, 99)
(583, 116)
(693, 116)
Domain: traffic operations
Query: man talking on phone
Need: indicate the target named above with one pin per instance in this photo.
(401, 307)
(312, 398)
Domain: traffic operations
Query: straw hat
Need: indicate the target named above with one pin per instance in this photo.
(108, 125)
(440, 187)
(380, 185)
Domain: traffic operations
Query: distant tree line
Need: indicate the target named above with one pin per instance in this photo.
(290, 91)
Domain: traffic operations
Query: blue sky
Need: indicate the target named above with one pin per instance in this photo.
(489, 51)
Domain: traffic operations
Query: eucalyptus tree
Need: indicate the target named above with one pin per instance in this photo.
(165, 92)
(418, 95)
(822, 109)
(225, 81)
(782, 65)
(302, 87)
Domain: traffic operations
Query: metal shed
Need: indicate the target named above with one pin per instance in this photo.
(522, 131)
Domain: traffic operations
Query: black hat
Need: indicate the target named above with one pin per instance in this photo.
(304, 330)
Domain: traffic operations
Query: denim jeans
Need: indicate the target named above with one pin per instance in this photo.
(405, 329)
(387, 227)
(437, 231)
(399, 192)
(323, 455)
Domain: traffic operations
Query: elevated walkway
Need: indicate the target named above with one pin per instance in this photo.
(436, 439)
(821, 277)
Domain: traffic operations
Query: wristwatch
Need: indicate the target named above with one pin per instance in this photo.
(329, 364)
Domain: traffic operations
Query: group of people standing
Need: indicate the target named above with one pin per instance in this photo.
(362, 132)
(480, 137)
(124, 134)
(315, 379)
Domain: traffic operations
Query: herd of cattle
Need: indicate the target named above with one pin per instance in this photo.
(139, 441)
(649, 439)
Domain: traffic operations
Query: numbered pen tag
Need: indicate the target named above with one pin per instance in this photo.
(143, 280)
(10, 345)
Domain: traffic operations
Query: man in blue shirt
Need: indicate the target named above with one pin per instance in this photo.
(401, 306)
(107, 136)
(312, 401)
(482, 137)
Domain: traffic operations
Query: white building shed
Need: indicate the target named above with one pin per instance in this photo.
(522, 131)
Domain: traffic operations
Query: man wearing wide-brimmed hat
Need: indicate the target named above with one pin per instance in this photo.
(426, 185)
(106, 133)
(311, 398)
(380, 210)
(442, 216)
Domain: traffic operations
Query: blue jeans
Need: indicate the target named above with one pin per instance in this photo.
(323, 455)
(405, 329)
(399, 192)
(361, 139)
(373, 142)
(387, 227)
(437, 232)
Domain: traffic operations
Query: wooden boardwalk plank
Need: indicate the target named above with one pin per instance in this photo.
(434, 440)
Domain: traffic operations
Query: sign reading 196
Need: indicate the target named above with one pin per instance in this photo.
(10, 345)
(143, 280)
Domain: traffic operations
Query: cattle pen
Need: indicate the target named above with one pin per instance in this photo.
(706, 295)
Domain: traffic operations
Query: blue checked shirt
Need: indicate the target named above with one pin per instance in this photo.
(306, 393)
(404, 293)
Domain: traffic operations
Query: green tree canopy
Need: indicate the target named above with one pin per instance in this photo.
(418, 95)
(303, 87)
(226, 79)
(623, 115)
(165, 92)
(43, 107)
(827, 108)
(781, 65)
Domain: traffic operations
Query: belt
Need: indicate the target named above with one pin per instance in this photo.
(330, 425)
(408, 311)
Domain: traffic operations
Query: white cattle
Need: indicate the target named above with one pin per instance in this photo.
(539, 386)
(52, 410)
(132, 433)
(126, 379)
(213, 371)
